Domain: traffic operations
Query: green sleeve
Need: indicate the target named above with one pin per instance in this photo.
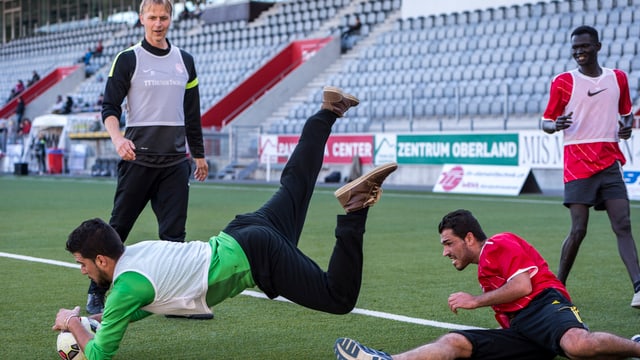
(130, 292)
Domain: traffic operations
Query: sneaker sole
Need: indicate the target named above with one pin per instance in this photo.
(338, 91)
(380, 169)
(191, 317)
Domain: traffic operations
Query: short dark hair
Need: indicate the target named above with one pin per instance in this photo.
(584, 29)
(95, 237)
(462, 222)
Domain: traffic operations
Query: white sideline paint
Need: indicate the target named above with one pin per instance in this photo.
(256, 294)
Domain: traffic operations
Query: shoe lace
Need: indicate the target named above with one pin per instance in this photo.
(374, 195)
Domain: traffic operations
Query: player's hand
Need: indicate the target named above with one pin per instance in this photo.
(125, 148)
(624, 132)
(63, 316)
(564, 121)
(202, 170)
(461, 300)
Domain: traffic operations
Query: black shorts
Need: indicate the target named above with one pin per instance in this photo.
(534, 334)
(608, 184)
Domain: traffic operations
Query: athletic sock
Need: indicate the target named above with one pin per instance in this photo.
(636, 286)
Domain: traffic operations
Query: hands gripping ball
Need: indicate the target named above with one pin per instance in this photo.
(68, 347)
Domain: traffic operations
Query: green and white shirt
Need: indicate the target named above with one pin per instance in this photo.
(165, 277)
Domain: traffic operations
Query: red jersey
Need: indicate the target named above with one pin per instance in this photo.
(591, 142)
(506, 255)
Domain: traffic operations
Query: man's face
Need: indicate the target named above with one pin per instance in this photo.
(584, 49)
(156, 21)
(94, 271)
(456, 249)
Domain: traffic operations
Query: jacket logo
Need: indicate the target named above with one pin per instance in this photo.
(589, 93)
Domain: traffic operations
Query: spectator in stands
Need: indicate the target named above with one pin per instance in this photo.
(20, 111)
(354, 27)
(24, 128)
(68, 106)
(35, 77)
(87, 57)
(185, 14)
(16, 90)
(154, 166)
(537, 318)
(19, 87)
(349, 35)
(591, 105)
(58, 107)
(99, 48)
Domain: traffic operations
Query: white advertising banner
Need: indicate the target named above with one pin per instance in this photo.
(632, 179)
(482, 179)
(540, 150)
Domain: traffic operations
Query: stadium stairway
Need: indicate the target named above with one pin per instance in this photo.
(39, 97)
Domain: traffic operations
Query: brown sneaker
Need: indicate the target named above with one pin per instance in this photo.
(364, 191)
(333, 99)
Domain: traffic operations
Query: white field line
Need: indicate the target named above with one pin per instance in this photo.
(256, 294)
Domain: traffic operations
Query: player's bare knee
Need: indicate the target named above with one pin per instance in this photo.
(456, 344)
(580, 343)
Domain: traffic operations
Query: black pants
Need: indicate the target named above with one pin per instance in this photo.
(270, 236)
(167, 188)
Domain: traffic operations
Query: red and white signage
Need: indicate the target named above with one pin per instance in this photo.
(480, 179)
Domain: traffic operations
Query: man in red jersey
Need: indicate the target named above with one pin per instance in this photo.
(532, 306)
(592, 106)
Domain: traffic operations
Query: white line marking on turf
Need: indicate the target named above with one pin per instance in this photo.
(380, 314)
(39, 260)
(256, 294)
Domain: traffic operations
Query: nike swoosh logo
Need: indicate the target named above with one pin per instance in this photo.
(589, 93)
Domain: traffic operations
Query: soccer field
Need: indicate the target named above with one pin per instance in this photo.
(406, 281)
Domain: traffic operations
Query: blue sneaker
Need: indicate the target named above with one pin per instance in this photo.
(636, 338)
(95, 303)
(348, 349)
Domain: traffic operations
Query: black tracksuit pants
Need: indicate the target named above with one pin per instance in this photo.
(270, 235)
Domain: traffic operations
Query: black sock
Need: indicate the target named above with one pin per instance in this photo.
(636, 286)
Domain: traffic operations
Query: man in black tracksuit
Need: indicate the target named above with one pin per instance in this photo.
(160, 85)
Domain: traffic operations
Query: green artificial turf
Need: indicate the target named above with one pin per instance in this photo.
(405, 273)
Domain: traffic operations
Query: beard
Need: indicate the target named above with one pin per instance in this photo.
(102, 280)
